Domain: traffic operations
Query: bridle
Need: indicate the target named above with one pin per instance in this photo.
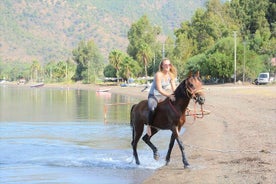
(191, 94)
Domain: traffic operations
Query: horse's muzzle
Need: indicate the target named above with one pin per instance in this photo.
(200, 99)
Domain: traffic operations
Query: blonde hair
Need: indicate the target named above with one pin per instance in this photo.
(173, 70)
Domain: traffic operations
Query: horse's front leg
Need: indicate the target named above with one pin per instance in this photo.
(146, 139)
(168, 156)
(181, 146)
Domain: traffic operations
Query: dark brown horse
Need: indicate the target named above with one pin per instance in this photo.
(168, 116)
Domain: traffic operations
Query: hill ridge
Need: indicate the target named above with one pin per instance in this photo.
(49, 30)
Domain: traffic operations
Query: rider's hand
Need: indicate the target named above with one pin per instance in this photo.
(172, 97)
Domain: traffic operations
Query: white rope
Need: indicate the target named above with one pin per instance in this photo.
(230, 151)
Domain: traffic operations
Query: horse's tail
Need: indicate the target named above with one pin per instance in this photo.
(131, 116)
(132, 123)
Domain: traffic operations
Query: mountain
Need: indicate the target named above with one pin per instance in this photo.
(48, 30)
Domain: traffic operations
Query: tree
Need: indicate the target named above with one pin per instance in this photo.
(221, 65)
(206, 42)
(36, 71)
(142, 41)
(49, 68)
(124, 65)
(115, 59)
(255, 19)
(144, 55)
(110, 71)
(185, 48)
(89, 61)
(271, 16)
(60, 71)
(129, 68)
(253, 64)
(196, 63)
(194, 37)
(71, 68)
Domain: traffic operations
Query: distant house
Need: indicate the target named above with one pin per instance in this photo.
(21, 81)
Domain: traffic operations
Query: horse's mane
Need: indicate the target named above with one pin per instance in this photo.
(180, 91)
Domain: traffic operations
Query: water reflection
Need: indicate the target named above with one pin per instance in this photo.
(56, 105)
(61, 137)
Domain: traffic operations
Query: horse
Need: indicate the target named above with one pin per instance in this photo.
(169, 115)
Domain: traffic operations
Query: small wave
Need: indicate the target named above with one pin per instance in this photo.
(106, 162)
(105, 159)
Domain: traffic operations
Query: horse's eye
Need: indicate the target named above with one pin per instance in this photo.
(191, 85)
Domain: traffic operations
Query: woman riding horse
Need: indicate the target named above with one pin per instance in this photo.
(169, 115)
(163, 79)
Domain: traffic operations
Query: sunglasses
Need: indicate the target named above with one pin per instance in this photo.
(166, 65)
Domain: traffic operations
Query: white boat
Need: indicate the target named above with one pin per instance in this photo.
(104, 90)
(37, 85)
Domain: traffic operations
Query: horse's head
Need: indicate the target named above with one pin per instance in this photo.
(194, 88)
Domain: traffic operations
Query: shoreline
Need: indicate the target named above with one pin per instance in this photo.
(133, 91)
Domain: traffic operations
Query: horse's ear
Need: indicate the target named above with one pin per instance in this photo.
(197, 74)
(190, 74)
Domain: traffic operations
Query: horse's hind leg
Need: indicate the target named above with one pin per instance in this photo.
(146, 139)
(135, 154)
(136, 135)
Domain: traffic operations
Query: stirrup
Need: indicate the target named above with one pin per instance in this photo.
(149, 130)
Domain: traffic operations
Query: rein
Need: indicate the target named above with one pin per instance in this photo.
(173, 108)
(194, 113)
(189, 112)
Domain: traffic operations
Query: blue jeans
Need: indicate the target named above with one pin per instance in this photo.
(152, 102)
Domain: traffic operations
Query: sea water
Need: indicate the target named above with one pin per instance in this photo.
(59, 136)
(72, 152)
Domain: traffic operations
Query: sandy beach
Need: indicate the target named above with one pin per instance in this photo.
(235, 143)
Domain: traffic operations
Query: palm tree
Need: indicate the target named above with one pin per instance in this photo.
(115, 58)
(35, 70)
(144, 55)
(129, 67)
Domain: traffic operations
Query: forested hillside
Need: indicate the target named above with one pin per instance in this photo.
(47, 30)
(57, 41)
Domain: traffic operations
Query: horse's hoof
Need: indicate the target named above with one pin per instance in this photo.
(187, 166)
(156, 156)
(137, 162)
